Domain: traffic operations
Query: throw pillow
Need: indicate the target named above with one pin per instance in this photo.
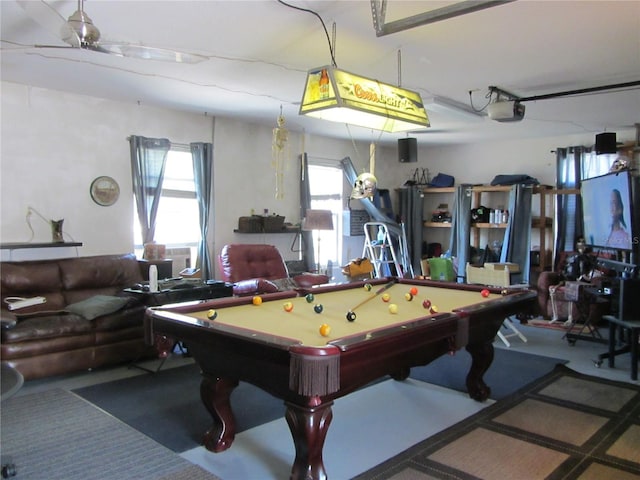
(97, 306)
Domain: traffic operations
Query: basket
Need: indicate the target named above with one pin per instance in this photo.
(273, 223)
(252, 224)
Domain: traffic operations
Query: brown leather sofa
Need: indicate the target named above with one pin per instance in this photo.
(258, 268)
(48, 339)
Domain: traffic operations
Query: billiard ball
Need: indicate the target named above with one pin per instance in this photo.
(433, 310)
(351, 316)
(393, 308)
(309, 298)
(408, 296)
(386, 297)
(484, 292)
(325, 330)
(427, 304)
(367, 287)
(413, 291)
(257, 300)
(212, 314)
(317, 308)
(504, 291)
(288, 306)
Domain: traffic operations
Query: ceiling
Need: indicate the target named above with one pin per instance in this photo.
(258, 53)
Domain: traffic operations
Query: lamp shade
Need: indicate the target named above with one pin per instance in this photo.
(339, 96)
(318, 220)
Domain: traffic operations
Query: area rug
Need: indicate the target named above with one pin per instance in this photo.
(564, 426)
(58, 435)
(166, 406)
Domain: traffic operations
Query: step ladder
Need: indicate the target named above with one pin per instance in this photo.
(386, 247)
(508, 324)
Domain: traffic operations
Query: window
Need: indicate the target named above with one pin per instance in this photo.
(325, 185)
(177, 222)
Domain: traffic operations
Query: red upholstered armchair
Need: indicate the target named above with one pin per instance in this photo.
(258, 268)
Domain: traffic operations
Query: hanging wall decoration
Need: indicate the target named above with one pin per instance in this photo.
(280, 154)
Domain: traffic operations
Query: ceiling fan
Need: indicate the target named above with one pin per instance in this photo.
(78, 31)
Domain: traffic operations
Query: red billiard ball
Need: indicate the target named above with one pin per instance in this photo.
(485, 293)
(427, 304)
(413, 291)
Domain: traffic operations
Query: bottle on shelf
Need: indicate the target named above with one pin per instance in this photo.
(153, 278)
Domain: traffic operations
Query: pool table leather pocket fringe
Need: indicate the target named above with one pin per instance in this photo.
(314, 371)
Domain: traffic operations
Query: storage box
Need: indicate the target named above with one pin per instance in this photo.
(511, 267)
(489, 276)
(273, 223)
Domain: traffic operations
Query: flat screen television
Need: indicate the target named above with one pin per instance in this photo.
(607, 211)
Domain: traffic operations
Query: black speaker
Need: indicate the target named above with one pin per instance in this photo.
(606, 143)
(408, 150)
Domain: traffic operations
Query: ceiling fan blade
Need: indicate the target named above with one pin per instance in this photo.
(49, 18)
(149, 53)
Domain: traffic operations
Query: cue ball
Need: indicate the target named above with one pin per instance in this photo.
(426, 304)
(393, 308)
(317, 308)
(351, 316)
(212, 314)
(386, 297)
(257, 300)
(325, 330)
(484, 292)
(367, 287)
(288, 306)
(408, 296)
(504, 292)
(413, 291)
(309, 297)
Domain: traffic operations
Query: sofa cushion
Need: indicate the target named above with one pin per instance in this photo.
(100, 272)
(97, 305)
(47, 326)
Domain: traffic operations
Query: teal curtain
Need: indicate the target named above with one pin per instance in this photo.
(148, 161)
(516, 246)
(202, 157)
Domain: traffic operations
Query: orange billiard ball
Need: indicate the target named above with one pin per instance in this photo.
(413, 291)
(257, 300)
(288, 306)
(386, 297)
(325, 330)
(485, 293)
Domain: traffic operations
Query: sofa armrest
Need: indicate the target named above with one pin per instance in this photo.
(254, 286)
(7, 320)
(306, 280)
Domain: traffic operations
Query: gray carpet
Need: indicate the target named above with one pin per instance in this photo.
(58, 435)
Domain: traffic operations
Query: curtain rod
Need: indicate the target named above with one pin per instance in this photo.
(173, 144)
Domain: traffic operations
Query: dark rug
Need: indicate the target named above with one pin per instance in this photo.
(510, 371)
(56, 435)
(563, 426)
(166, 406)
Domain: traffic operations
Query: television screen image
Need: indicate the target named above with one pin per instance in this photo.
(606, 205)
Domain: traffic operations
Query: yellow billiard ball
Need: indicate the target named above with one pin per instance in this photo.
(408, 296)
(325, 330)
(386, 297)
(212, 314)
(367, 287)
(288, 306)
(257, 300)
(393, 308)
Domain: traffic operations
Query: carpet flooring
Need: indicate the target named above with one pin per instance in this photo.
(565, 426)
(58, 435)
(166, 406)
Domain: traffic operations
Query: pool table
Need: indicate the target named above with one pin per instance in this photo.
(278, 346)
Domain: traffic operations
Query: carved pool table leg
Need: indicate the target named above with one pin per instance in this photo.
(308, 425)
(481, 358)
(215, 393)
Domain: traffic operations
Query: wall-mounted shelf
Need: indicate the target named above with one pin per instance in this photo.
(284, 230)
(21, 245)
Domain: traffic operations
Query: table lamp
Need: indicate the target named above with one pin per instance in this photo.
(318, 220)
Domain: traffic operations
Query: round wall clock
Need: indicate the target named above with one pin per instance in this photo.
(105, 191)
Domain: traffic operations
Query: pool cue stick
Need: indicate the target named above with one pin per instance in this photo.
(386, 287)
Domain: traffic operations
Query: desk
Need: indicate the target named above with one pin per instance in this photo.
(591, 304)
(284, 354)
(191, 291)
